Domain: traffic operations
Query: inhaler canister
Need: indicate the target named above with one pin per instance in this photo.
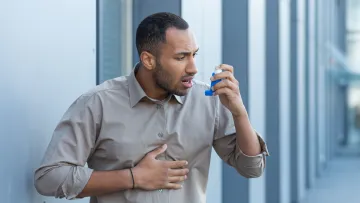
(210, 92)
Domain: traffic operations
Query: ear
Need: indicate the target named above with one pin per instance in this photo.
(148, 60)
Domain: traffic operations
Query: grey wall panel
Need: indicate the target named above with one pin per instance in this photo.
(311, 113)
(235, 52)
(326, 113)
(333, 121)
(342, 91)
(278, 100)
(297, 93)
(336, 119)
(47, 60)
(328, 129)
(316, 89)
(320, 89)
(307, 92)
(284, 89)
(143, 8)
(336, 107)
(294, 101)
(272, 100)
(331, 127)
(339, 94)
(302, 99)
(109, 40)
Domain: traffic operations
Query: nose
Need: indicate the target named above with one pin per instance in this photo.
(191, 67)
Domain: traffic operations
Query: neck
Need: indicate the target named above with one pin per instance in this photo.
(148, 84)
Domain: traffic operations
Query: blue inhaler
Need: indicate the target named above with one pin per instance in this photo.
(210, 92)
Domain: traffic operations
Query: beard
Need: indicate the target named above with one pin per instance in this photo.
(164, 80)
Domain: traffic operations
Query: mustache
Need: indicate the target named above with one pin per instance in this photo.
(188, 76)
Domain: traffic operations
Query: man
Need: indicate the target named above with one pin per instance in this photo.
(147, 137)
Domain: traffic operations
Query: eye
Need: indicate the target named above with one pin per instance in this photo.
(180, 58)
(195, 54)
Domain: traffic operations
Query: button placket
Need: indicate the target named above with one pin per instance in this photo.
(160, 107)
(161, 133)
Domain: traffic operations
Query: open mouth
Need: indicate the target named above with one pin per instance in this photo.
(187, 82)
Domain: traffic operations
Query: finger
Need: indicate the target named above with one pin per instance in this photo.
(224, 75)
(226, 84)
(176, 179)
(158, 151)
(178, 172)
(173, 186)
(175, 164)
(221, 91)
(226, 67)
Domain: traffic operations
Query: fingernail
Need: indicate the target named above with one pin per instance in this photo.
(212, 78)
(185, 176)
(186, 163)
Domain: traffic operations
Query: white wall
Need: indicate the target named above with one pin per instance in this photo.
(204, 18)
(257, 84)
(353, 36)
(284, 77)
(47, 59)
(353, 47)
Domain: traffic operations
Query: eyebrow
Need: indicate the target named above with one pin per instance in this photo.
(186, 52)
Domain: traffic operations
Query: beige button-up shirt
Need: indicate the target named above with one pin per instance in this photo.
(114, 125)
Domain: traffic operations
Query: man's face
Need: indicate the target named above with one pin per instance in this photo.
(175, 64)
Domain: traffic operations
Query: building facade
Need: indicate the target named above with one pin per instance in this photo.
(53, 52)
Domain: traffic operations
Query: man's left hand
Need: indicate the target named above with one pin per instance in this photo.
(229, 91)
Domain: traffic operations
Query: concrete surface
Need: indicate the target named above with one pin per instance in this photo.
(340, 183)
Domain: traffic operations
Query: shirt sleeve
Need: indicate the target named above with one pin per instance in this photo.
(227, 148)
(62, 172)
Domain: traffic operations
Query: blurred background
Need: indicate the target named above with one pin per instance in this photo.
(298, 63)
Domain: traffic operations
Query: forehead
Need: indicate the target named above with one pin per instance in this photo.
(180, 40)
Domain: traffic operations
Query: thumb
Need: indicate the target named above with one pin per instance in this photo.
(158, 151)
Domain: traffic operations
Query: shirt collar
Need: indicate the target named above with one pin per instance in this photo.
(135, 90)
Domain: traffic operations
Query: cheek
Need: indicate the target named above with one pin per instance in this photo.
(175, 71)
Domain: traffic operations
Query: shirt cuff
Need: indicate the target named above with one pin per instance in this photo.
(253, 161)
(76, 182)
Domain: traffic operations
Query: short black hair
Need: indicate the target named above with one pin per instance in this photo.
(152, 30)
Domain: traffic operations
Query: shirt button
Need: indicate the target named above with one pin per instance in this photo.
(161, 134)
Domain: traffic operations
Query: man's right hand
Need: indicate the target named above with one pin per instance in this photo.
(153, 174)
